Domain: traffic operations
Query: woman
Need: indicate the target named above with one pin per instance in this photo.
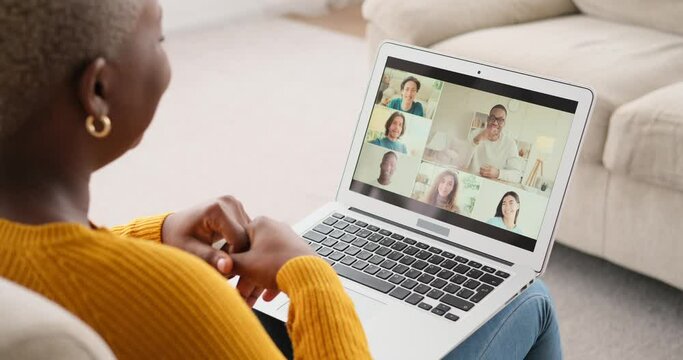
(78, 88)
(507, 213)
(394, 128)
(444, 192)
(406, 103)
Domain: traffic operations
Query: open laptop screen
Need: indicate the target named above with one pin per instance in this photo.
(474, 153)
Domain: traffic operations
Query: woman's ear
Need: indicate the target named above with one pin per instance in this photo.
(93, 88)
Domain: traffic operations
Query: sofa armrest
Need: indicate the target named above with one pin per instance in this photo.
(425, 22)
(645, 138)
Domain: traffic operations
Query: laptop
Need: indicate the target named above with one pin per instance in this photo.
(435, 228)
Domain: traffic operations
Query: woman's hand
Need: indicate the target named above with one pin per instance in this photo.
(273, 243)
(196, 229)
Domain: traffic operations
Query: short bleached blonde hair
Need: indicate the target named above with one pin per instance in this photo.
(47, 42)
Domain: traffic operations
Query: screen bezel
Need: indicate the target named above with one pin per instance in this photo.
(582, 95)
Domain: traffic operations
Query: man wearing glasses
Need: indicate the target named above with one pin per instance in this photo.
(495, 153)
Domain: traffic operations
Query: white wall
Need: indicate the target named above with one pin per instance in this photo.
(184, 14)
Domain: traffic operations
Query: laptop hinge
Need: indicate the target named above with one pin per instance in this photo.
(433, 237)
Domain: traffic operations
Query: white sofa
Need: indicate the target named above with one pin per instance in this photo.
(626, 201)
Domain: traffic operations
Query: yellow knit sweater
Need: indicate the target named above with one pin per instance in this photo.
(151, 301)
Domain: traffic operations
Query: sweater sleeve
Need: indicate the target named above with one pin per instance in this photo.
(320, 310)
(147, 228)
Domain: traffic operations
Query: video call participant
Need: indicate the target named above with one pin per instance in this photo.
(507, 213)
(394, 128)
(386, 169)
(494, 149)
(444, 192)
(406, 103)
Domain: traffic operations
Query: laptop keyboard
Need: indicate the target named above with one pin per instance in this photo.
(404, 268)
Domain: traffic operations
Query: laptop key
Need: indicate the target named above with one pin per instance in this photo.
(409, 284)
(360, 265)
(352, 229)
(409, 241)
(359, 242)
(315, 246)
(352, 250)
(324, 251)
(425, 306)
(385, 232)
(423, 255)
(458, 279)
(438, 283)
(363, 233)
(388, 264)
(349, 219)
(330, 221)
(336, 256)
(399, 293)
(461, 269)
(432, 269)
(461, 259)
(387, 241)
(399, 246)
(382, 251)
(447, 255)
(341, 225)
(397, 236)
(329, 242)
(323, 229)
(485, 288)
(348, 238)
(435, 250)
(338, 215)
(414, 299)
(348, 260)
(419, 264)
(372, 228)
(341, 246)
(361, 224)
(364, 255)
(502, 274)
(425, 278)
(443, 307)
(436, 259)
(363, 278)
(400, 269)
(445, 274)
(465, 293)
(435, 294)
(422, 245)
(474, 273)
(383, 274)
(438, 311)
(448, 264)
(395, 255)
(474, 264)
(396, 279)
(407, 260)
(422, 289)
(471, 284)
(451, 288)
(478, 297)
(314, 236)
(410, 250)
(371, 269)
(336, 233)
(412, 273)
(491, 280)
(375, 237)
(371, 247)
(457, 303)
(376, 259)
(452, 317)
(489, 269)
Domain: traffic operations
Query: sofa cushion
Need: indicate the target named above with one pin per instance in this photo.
(663, 15)
(622, 62)
(645, 139)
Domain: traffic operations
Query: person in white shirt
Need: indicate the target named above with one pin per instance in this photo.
(495, 151)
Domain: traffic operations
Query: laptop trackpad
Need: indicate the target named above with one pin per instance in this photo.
(366, 307)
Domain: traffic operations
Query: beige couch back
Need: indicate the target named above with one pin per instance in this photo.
(664, 15)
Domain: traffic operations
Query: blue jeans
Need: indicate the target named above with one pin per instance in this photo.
(526, 328)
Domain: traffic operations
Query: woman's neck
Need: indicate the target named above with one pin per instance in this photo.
(34, 196)
(509, 222)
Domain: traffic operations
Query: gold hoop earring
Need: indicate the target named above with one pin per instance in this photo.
(90, 126)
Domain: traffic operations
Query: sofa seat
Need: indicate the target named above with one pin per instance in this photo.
(633, 61)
